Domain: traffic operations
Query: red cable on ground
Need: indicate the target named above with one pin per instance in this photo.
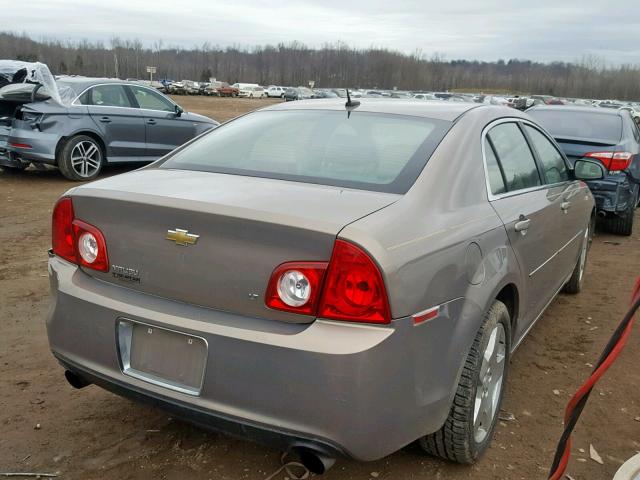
(577, 402)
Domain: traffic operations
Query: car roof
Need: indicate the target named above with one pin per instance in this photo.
(82, 83)
(439, 110)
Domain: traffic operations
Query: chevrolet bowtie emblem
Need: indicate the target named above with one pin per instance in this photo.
(182, 237)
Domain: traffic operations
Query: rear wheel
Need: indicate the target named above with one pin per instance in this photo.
(81, 158)
(622, 224)
(467, 431)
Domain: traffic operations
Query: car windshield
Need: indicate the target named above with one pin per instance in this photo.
(369, 151)
(590, 126)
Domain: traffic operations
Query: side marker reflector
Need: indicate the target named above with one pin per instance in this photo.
(425, 315)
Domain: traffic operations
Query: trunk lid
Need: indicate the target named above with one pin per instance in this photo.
(576, 148)
(246, 226)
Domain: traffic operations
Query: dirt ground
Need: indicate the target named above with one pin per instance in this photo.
(47, 426)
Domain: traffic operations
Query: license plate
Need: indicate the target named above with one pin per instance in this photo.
(163, 357)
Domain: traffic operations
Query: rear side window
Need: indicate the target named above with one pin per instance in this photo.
(590, 126)
(496, 180)
(370, 151)
(109, 96)
(518, 165)
(553, 164)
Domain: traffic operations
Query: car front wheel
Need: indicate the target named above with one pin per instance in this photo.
(81, 158)
(574, 285)
(468, 429)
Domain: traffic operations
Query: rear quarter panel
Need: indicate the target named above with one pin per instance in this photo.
(442, 243)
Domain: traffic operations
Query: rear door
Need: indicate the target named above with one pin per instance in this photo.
(165, 130)
(120, 123)
(530, 212)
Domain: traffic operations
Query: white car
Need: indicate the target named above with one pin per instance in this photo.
(275, 91)
(425, 96)
(249, 90)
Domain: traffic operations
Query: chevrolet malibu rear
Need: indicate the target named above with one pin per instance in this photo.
(309, 276)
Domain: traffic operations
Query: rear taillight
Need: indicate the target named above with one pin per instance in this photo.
(62, 240)
(354, 289)
(349, 288)
(90, 245)
(613, 161)
(77, 241)
(296, 287)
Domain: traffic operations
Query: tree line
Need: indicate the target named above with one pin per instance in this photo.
(332, 65)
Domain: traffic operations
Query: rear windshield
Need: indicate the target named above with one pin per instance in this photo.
(369, 151)
(596, 127)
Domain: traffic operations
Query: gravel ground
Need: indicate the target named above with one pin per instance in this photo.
(46, 426)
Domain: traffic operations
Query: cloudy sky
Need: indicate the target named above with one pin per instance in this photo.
(541, 30)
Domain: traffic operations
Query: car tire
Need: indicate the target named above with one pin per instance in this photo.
(81, 158)
(467, 433)
(574, 285)
(622, 224)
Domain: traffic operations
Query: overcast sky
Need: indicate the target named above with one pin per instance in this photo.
(471, 29)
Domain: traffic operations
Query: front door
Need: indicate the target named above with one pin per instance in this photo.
(165, 130)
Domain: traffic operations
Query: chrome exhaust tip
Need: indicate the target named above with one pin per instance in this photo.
(315, 461)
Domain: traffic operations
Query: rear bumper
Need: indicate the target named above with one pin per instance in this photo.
(235, 427)
(356, 390)
(613, 194)
(42, 145)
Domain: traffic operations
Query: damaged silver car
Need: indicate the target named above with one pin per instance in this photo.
(79, 124)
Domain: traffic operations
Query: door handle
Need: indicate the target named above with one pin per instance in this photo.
(151, 121)
(105, 120)
(522, 225)
(565, 206)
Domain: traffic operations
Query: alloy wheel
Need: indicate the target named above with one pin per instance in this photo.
(490, 383)
(86, 158)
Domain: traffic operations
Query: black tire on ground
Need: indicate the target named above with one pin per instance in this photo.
(622, 224)
(456, 440)
(574, 285)
(64, 161)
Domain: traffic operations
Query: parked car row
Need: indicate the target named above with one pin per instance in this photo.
(102, 121)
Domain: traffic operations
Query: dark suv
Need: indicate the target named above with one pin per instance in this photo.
(610, 136)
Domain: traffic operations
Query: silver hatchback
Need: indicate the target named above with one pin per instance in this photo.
(345, 290)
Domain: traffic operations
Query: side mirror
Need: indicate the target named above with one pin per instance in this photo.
(179, 110)
(588, 170)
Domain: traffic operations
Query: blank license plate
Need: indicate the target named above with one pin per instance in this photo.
(172, 359)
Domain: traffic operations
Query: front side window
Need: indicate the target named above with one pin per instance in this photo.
(515, 157)
(150, 100)
(362, 150)
(555, 170)
(109, 96)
